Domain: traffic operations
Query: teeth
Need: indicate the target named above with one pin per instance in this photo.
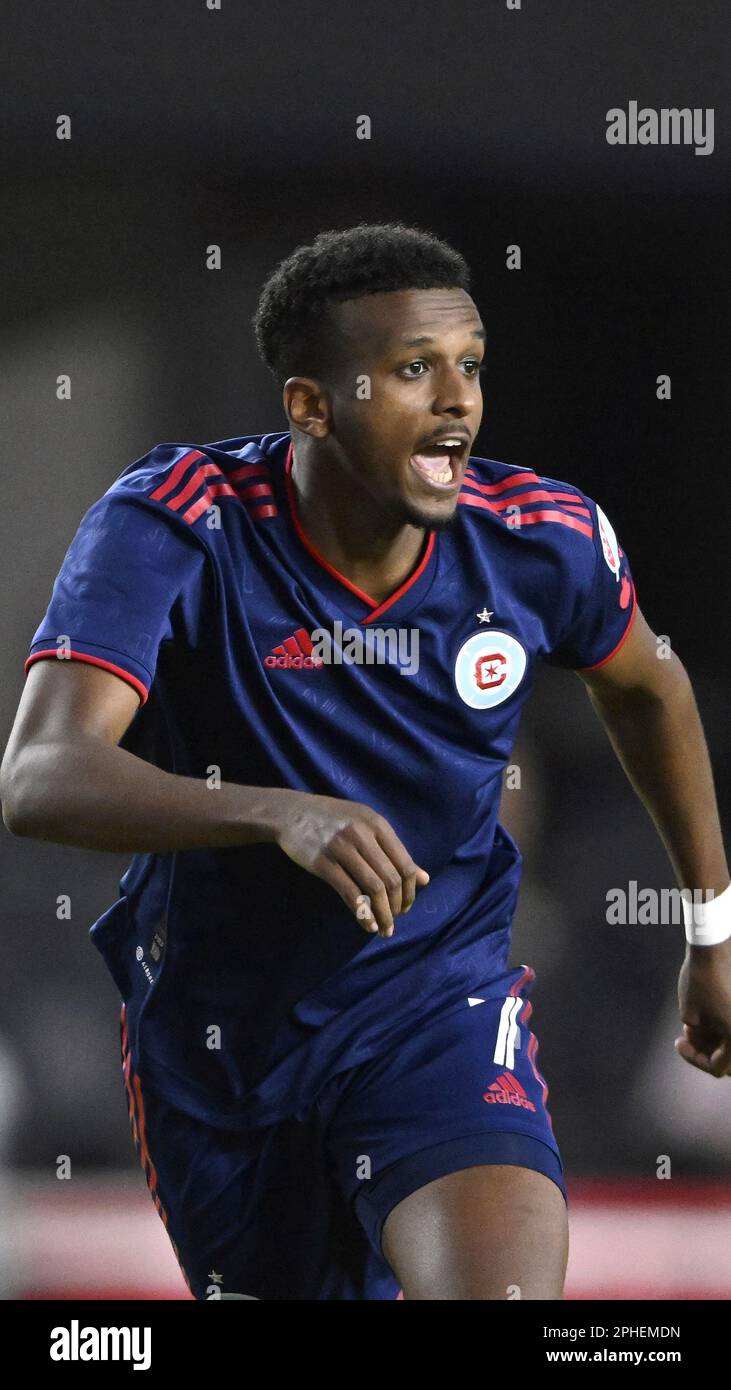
(437, 469)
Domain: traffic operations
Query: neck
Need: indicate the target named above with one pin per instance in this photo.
(343, 522)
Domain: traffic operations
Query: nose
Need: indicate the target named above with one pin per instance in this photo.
(456, 395)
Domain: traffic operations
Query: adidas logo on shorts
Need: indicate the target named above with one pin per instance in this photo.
(507, 1091)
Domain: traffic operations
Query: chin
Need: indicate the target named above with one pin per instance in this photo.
(431, 519)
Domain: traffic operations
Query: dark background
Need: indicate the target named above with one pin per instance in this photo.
(238, 127)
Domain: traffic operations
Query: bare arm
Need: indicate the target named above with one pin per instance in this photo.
(649, 711)
(64, 778)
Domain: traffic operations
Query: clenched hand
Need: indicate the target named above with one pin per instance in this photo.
(357, 852)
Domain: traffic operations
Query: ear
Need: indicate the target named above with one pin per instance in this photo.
(307, 406)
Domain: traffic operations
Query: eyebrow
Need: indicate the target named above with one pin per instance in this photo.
(425, 338)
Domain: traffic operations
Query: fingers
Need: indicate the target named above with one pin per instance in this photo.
(380, 890)
(712, 1045)
(373, 870)
(361, 890)
(360, 856)
(386, 873)
(721, 1060)
(411, 875)
(352, 895)
(714, 1060)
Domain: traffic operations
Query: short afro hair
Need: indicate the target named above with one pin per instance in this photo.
(291, 320)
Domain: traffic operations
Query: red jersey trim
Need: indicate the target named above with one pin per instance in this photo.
(249, 470)
(92, 661)
(398, 593)
(175, 475)
(257, 495)
(136, 1106)
(524, 479)
(467, 499)
(522, 499)
(621, 641)
(376, 608)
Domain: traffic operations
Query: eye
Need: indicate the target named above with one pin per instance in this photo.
(474, 366)
(406, 371)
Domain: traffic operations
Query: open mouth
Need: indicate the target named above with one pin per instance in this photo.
(440, 465)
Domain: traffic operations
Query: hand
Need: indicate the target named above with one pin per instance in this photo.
(704, 995)
(356, 851)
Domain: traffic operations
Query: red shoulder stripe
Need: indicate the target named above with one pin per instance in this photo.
(546, 514)
(259, 492)
(175, 476)
(536, 495)
(522, 499)
(249, 470)
(572, 521)
(196, 480)
(247, 494)
(492, 489)
(206, 500)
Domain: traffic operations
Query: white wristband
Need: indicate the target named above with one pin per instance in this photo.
(707, 924)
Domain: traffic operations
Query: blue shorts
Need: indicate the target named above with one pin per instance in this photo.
(296, 1210)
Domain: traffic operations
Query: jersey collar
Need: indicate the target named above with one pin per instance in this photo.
(404, 598)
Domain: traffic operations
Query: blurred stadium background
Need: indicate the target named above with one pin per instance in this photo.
(237, 128)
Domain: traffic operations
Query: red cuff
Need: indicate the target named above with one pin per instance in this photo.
(621, 641)
(93, 661)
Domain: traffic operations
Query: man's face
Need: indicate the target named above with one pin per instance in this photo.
(408, 445)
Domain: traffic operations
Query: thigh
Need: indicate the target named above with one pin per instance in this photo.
(488, 1232)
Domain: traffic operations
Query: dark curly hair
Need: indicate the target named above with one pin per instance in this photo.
(291, 323)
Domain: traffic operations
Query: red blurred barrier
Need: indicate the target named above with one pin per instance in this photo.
(629, 1240)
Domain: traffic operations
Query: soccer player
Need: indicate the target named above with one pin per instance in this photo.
(285, 672)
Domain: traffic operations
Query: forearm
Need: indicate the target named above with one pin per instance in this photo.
(660, 743)
(95, 795)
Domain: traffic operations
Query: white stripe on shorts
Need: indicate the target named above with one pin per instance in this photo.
(508, 1033)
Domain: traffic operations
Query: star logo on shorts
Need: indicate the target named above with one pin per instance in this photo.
(484, 616)
(215, 1278)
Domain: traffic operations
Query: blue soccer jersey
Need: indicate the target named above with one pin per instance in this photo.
(248, 983)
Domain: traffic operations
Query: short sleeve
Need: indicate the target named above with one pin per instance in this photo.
(126, 573)
(603, 604)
